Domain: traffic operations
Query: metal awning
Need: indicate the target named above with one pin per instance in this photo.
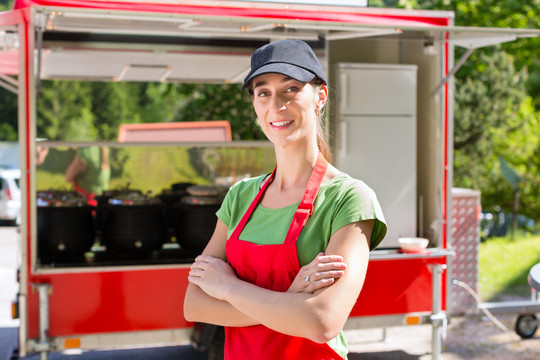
(200, 46)
(243, 27)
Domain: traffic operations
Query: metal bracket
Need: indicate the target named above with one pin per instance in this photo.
(451, 73)
(41, 22)
(9, 84)
(471, 43)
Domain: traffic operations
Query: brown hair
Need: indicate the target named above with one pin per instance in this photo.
(322, 141)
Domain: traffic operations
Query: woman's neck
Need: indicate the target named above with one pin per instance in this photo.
(294, 167)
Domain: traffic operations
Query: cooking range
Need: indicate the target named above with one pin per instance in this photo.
(127, 226)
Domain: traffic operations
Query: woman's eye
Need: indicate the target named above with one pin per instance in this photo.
(292, 89)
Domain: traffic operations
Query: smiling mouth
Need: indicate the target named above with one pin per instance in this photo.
(281, 123)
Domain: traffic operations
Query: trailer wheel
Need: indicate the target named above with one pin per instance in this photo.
(216, 350)
(526, 326)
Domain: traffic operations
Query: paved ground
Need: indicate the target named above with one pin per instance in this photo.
(467, 337)
(471, 337)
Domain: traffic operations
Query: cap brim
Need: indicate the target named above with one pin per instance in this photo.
(290, 70)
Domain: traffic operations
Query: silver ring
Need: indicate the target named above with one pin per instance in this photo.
(306, 279)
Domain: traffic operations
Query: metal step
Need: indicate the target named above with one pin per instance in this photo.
(511, 307)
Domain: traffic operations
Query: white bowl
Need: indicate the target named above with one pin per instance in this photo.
(413, 243)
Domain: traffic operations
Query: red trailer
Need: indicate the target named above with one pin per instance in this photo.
(406, 59)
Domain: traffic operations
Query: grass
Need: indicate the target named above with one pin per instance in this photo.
(504, 265)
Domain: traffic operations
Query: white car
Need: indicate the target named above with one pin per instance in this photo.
(10, 196)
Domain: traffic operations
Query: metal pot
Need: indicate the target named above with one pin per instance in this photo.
(134, 224)
(195, 217)
(170, 197)
(103, 201)
(65, 226)
(59, 198)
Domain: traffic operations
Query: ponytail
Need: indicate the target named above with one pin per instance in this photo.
(322, 142)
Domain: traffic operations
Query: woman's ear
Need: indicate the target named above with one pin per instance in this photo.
(323, 96)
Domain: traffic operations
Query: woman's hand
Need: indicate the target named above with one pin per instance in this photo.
(212, 275)
(323, 271)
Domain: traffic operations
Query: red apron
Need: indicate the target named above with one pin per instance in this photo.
(273, 267)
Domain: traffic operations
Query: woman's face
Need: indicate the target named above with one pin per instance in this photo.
(286, 108)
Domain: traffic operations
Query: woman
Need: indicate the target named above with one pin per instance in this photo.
(90, 172)
(289, 254)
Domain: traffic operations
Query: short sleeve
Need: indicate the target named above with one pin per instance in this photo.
(358, 202)
(237, 201)
(224, 212)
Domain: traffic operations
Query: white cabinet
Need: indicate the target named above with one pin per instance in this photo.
(376, 138)
(376, 89)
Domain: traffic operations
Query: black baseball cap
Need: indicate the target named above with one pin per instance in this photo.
(293, 58)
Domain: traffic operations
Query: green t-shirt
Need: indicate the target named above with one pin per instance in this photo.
(95, 179)
(341, 201)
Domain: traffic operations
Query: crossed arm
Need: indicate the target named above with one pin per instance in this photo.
(317, 312)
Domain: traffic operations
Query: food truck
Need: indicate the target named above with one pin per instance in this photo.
(390, 73)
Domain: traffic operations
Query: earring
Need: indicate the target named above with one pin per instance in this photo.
(317, 111)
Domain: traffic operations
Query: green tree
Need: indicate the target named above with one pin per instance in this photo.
(495, 117)
(200, 102)
(496, 13)
(221, 102)
(6, 4)
(64, 111)
(8, 101)
(113, 104)
(161, 102)
(8, 115)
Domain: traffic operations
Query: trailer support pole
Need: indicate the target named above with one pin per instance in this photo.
(43, 345)
(438, 317)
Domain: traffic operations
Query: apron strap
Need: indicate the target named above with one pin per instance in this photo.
(305, 209)
(238, 230)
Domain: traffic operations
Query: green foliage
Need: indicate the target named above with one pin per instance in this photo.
(64, 111)
(495, 117)
(492, 13)
(7, 132)
(6, 4)
(497, 103)
(86, 111)
(161, 102)
(113, 104)
(8, 116)
(505, 14)
(222, 102)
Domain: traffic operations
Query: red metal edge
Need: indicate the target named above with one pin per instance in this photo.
(224, 124)
(446, 154)
(27, 131)
(293, 14)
